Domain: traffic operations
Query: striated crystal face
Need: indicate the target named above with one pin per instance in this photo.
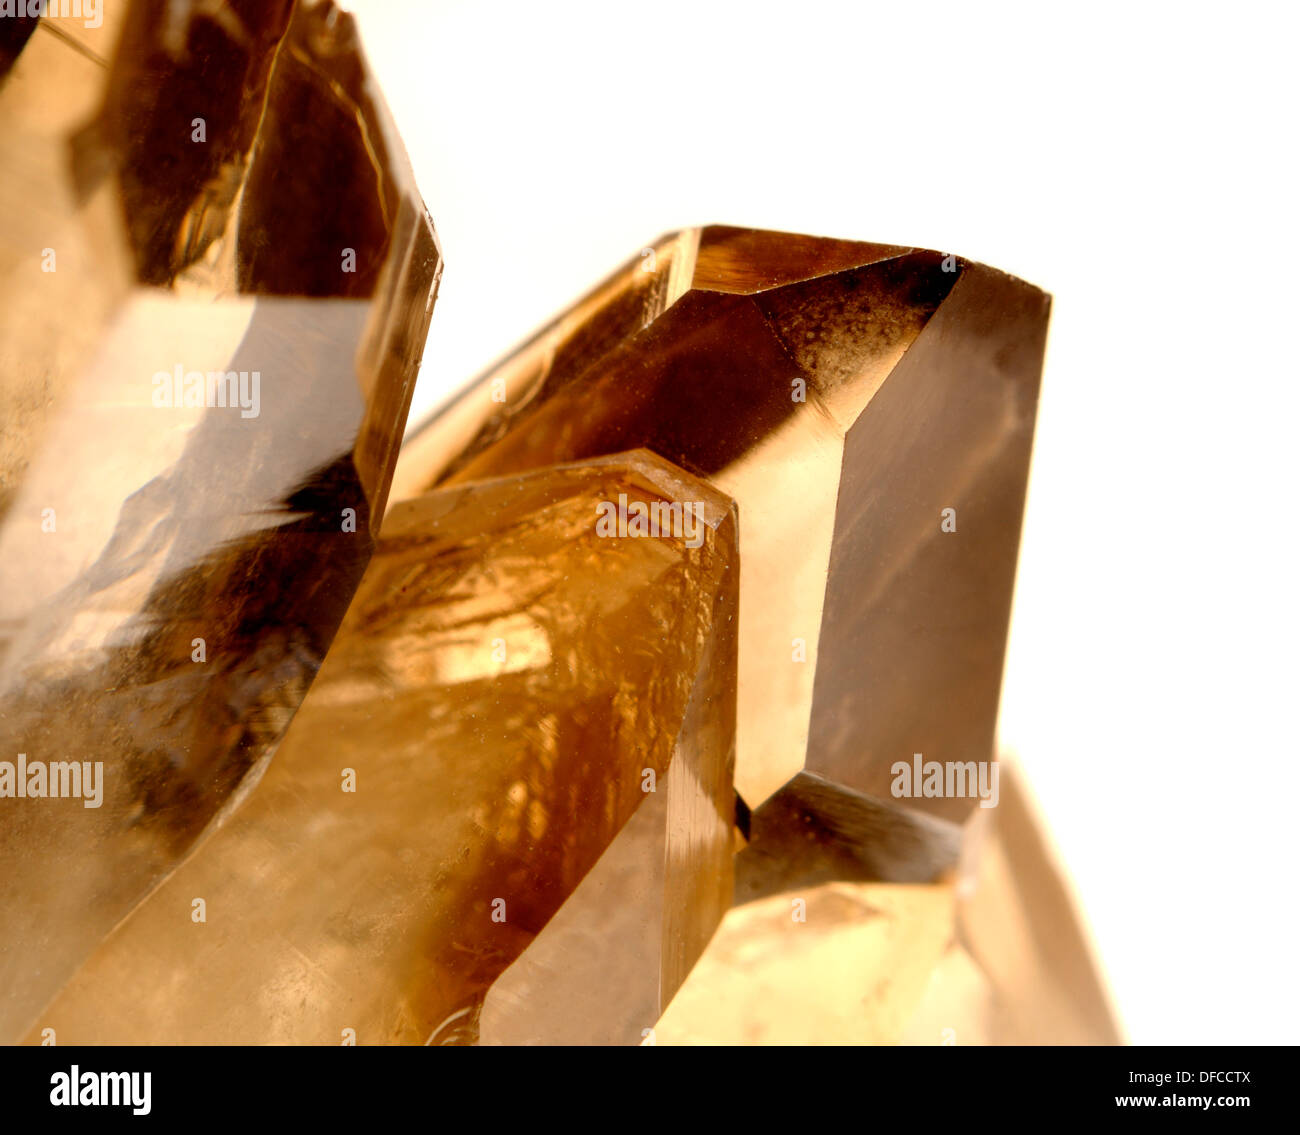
(871, 410)
(504, 811)
(217, 277)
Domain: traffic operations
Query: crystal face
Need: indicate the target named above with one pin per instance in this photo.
(812, 831)
(992, 954)
(460, 810)
(833, 963)
(206, 364)
(844, 395)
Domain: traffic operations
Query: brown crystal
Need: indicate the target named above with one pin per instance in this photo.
(847, 396)
(994, 954)
(844, 395)
(813, 832)
(501, 690)
(186, 189)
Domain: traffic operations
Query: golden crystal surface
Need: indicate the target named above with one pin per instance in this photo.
(832, 963)
(554, 784)
(218, 276)
(995, 953)
(845, 395)
(504, 811)
(871, 410)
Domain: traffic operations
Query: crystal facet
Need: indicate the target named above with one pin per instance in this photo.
(218, 276)
(994, 954)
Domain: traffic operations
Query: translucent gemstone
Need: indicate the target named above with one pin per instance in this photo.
(205, 372)
(995, 953)
(830, 963)
(504, 811)
(845, 395)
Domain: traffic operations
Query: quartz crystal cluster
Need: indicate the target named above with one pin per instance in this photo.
(658, 704)
(870, 410)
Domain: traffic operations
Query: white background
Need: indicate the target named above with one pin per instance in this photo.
(1138, 162)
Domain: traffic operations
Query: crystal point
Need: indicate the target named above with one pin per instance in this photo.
(846, 395)
(516, 761)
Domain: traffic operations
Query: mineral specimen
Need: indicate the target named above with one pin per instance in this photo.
(870, 409)
(217, 276)
(504, 811)
(570, 716)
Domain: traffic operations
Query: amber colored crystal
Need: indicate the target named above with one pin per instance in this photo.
(503, 691)
(845, 395)
(204, 189)
(831, 963)
(994, 954)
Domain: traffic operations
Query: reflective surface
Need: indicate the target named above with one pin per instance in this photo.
(844, 395)
(995, 953)
(511, 807)
(218, 276)
(460, 810)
